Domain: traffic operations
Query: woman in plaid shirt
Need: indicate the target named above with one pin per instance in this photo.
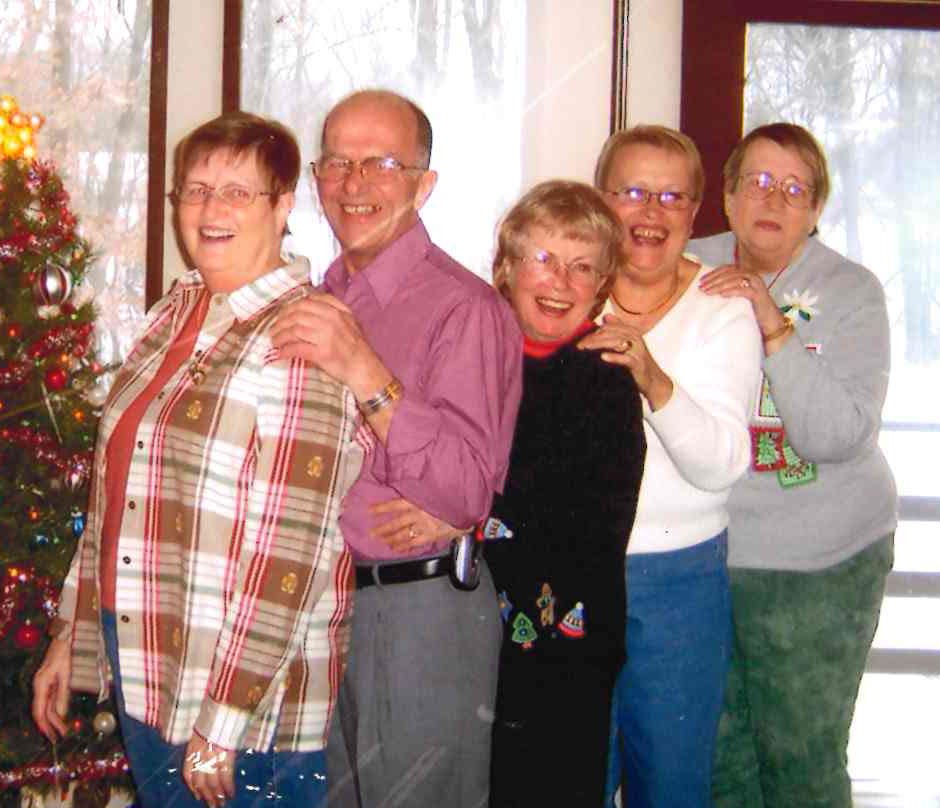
(209, 587)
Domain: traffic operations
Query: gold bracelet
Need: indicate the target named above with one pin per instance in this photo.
(388, 394)
(788, 326)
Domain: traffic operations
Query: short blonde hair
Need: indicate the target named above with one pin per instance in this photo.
(660, 137)
(787, 136)
(571, 209)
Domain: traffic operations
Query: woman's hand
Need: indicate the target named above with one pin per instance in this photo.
(209, 771)
(51, 690)
(409, 527)
(730, 281)
(622, 344)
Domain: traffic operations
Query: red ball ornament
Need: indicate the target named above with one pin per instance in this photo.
(14, 330)
(27, 637)
(56, 378)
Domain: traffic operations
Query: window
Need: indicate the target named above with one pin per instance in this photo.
(862, 78)
(462, 63)
(86, 66)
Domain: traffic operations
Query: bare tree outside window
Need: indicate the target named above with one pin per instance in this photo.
(462, 61)
(85, 65)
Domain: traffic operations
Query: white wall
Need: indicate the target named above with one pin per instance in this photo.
(194, 92)
(567, 116)
(654, 62)
(569, 82)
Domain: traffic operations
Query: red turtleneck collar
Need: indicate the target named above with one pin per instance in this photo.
(540, 350)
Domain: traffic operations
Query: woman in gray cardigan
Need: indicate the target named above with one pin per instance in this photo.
(812, 523)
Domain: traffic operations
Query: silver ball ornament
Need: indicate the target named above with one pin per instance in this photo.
(52, 286)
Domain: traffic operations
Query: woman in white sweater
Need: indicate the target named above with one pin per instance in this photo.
(694, 359)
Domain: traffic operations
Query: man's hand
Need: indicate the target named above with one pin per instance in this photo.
(323, 331)
(409, 528)
(209, 771)
(51, 690)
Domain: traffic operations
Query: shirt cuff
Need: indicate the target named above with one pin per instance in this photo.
(222, 724)
(413, 428)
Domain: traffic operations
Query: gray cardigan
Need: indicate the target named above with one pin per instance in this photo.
(828, 383)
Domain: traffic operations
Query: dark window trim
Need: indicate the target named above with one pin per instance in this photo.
(713, 59)
(232, 56)
(156, 151)
(619, 64)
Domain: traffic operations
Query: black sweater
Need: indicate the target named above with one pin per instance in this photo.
(570, 500)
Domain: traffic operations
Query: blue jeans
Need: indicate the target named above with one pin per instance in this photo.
(668, 697)
(261, 778)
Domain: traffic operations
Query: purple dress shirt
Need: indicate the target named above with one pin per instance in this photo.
(454, 343)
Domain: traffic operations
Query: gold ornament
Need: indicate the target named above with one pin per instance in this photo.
(104, 722)
(17, 129)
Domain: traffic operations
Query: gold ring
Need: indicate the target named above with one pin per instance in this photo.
(412, 533)
(745, 283)
(624, 345)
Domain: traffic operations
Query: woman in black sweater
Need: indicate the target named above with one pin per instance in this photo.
(569, 502)
(557, 533)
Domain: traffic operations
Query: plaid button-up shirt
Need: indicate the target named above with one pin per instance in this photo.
(233, 584)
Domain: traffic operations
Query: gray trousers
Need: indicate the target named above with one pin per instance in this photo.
(415, 709)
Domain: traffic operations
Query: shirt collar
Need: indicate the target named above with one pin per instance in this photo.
(246, 301)
(387, 273)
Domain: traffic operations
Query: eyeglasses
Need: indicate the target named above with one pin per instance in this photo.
(198, 193)
(633, 197)
(580, 273)
(371, 169)
(761, 184)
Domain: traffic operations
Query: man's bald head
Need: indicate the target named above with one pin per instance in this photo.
(423, 135)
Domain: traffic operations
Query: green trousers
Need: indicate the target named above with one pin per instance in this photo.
(800, 644)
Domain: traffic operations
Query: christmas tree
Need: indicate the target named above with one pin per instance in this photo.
(50, 390)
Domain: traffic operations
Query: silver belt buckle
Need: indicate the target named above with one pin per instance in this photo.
(375, 575)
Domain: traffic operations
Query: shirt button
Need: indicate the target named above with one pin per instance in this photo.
(125, 618)
(140, 444)
(132, 504)
(127, 559)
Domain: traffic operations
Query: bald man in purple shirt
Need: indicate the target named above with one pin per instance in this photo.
(433, 356)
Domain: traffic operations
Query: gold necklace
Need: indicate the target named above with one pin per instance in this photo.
(655, 308)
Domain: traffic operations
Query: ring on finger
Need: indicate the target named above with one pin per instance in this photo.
(412, 533)
(624, 345)
(745, 283)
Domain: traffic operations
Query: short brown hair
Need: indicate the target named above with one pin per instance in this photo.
(572, 209)
(660, 137)
(272, 143)
(788, 136)
(425, 135)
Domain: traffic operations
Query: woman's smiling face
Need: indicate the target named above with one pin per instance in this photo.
(551, 301)
(654, 237)
(232, 246)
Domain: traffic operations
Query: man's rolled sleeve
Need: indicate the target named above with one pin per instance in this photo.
(448, 446)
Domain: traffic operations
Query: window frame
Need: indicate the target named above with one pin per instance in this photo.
(157, 151)
(714, 34)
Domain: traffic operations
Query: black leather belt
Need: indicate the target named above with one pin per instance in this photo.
(402, 572)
